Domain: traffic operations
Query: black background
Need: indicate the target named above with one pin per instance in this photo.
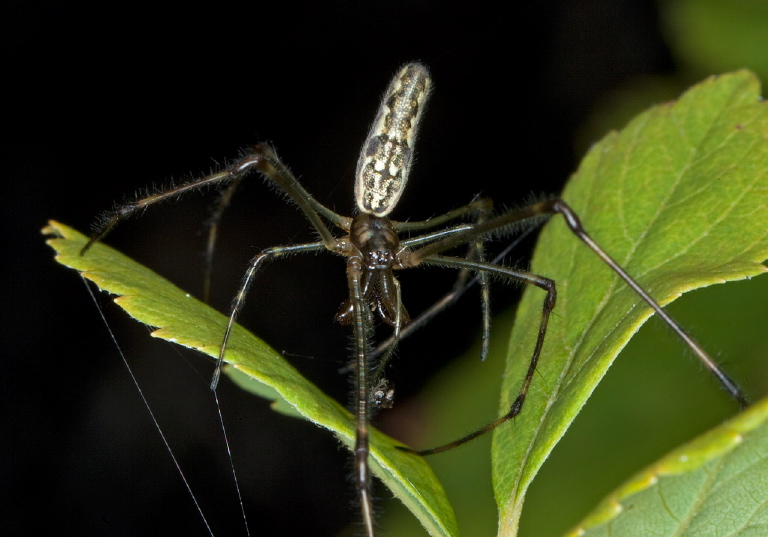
(107, 99)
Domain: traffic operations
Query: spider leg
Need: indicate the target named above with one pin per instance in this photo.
(477, 253)
(260, 158)
(550, 300)
(478, 208)
(460, 287)
(405, 326)
(514, 219)
(509, 221)
(479, 205)
(574, 224)
(237, 304)
(225, 199)
(213, 231)
(362, 471)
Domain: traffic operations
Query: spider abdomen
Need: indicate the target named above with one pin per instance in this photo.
(387, 154)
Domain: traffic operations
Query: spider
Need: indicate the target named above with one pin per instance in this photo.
(372, 246)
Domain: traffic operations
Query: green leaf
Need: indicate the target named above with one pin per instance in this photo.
(712, 36)
(714, 485)
(679, 198)
(655, 397)
(182, 319)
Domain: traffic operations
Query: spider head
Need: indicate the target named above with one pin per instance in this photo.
(375, 239)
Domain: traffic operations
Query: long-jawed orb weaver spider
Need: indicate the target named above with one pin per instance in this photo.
(373, 250)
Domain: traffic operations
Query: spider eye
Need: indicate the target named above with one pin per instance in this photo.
(380, 259)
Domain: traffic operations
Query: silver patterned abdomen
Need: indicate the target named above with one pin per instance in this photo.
(387, 154)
